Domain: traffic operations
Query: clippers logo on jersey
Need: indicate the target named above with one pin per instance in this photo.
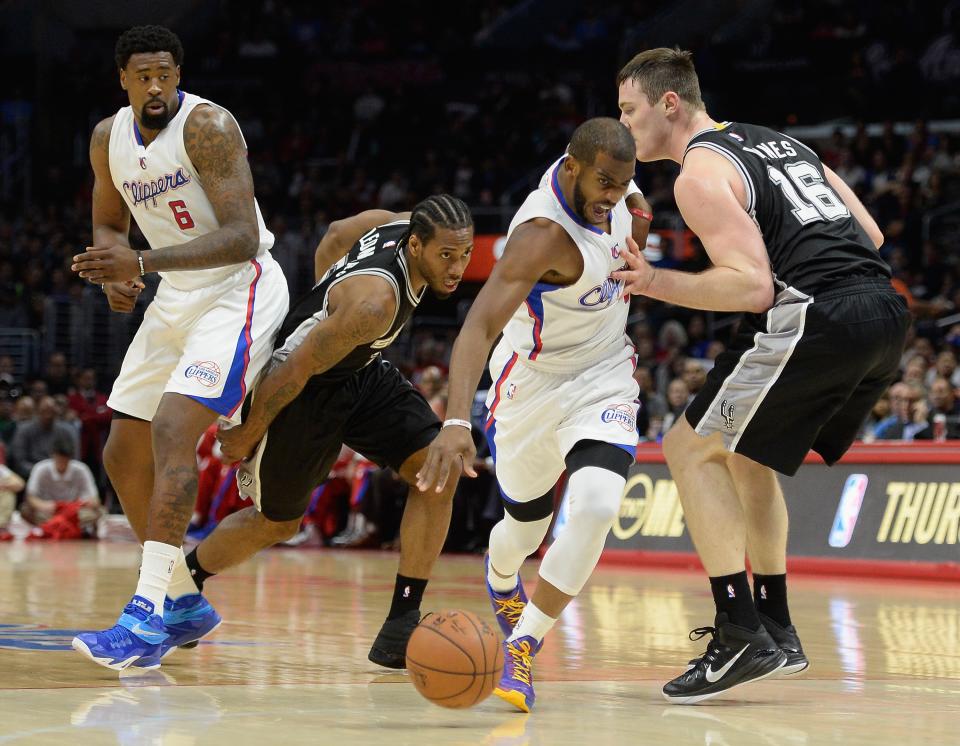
(206, 371)
(603, 295)
(622, 414)
(141, 191)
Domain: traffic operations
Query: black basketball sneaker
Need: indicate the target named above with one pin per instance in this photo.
(735, 655)
(786, 638)
(390, 647)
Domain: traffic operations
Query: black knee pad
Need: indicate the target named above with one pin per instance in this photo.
(599, 454)
(533, 510)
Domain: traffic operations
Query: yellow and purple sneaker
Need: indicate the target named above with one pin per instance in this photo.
(507, 607)
(516, 683)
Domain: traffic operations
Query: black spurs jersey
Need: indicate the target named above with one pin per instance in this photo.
(812, 238)
(378, 252)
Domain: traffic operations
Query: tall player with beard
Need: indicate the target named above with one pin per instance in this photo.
(177, 164)
(564, 397)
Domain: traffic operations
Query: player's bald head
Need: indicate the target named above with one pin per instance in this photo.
(602, 135)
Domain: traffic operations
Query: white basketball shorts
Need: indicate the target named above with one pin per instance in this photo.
(536, 417)
(209, 344)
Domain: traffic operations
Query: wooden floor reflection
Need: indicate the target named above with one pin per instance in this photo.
(289, 664)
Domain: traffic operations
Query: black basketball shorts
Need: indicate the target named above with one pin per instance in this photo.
(805, 374)
(376, 412)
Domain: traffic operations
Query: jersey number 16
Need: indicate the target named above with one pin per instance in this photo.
(818, 200)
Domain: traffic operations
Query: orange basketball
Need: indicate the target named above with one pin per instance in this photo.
(454, 658)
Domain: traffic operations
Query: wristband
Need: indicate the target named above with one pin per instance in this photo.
(140, 262)
(641, 213)
(458, 423)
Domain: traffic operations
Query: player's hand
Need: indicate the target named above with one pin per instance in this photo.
(122, 296)
(639, 275)
(452, 443)
(237, 443)
(112, 264)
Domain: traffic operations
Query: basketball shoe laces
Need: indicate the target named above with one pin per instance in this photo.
(713, 647)
(522, 654)
(511, 608)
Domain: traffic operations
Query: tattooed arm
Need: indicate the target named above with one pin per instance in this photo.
(111, 218)
(215, 146)
(360, 309)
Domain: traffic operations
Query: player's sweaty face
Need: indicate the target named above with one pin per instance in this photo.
(600, 186)
(445, 258)
(151, 80)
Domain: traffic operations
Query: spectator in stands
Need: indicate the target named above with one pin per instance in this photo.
(61, 479)
(908, 414)
(57, 375)
(7, 424)
(90, 406)
(7, 377)
(943, 401)
(694, 375)
(880, 412)
(915, 371)
(10, 484)
(678, 396)
(945, 367)
(33, 440)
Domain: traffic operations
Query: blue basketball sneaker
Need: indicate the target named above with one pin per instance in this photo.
(507, 607)
(186, 620)
(137, 637)
(516, 683)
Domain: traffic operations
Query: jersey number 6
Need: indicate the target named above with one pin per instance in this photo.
(181, 215)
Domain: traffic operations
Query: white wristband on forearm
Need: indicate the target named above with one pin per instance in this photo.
(458, 423)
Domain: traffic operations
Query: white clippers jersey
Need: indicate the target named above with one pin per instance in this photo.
(568, 328)
(164, 192)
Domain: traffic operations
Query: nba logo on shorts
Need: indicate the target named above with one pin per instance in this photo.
(207, 372)
(848, 510)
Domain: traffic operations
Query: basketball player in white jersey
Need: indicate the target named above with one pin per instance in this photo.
(564, 395)
(177, 164)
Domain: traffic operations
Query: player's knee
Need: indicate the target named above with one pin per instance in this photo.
(278, 531)
(114, 459)
(595, 495)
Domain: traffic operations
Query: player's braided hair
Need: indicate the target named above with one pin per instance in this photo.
(147, 39)
(439, 211)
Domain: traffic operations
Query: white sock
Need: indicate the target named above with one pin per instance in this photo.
(181, 582)
(156, 569)
(533, 623)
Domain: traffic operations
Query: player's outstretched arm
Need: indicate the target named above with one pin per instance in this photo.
(741, 278)
(855, 206)
(361, 309)
(535, 250)
(343, 234)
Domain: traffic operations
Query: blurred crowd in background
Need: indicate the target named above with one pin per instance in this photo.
(393, 103)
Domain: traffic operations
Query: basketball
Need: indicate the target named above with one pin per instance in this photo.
(454, 658)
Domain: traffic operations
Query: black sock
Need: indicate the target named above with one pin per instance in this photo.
(407, 595)
(731, 594)
(198, 574)
(770, 597)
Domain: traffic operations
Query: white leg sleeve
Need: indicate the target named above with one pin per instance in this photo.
(594, 496)
(512, 541)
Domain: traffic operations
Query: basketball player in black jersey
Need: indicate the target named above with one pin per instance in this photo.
(795, 250)
(328, 385)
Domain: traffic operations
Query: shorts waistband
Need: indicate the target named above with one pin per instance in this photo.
(853, 286)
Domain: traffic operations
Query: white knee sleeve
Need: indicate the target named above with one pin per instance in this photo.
(512, 541)
(593, 499)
